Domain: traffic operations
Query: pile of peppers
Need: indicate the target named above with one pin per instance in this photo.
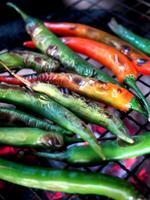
(52, 108)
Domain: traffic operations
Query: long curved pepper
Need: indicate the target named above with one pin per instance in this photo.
(49, 109)
(139, 42)
(113, 150)
(140, 60)
(111, 58)
(67, 181)
(29, 59)
(85, 109)
(51, 45)
(108, 93)
(14, 116)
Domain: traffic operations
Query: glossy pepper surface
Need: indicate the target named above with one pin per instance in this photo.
(113, 150)
(29, 59)
(51, 45)
(139, 42)
(51, 110)
(67, 181)
(86, 109)
(140, 60)
(15, 116)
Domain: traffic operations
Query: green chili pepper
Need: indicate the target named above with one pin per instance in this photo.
(51, 110)
(36, 61)
(139, 42)
(67, 181)
(113, 150)
(32, 137)
(87, 110)
(13, 115)
(51, 45)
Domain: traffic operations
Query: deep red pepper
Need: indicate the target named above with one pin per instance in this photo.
(106, 55)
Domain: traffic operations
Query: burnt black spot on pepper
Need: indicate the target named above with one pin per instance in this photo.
(37, 59)
(141, 61)
(125, 49)
(53, 50)
(119, 90)
(78, 81)
(73, 28)
(31, 27)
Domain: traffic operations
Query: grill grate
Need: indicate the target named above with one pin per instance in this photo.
(135, 15)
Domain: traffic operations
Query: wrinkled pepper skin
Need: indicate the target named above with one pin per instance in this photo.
(52, 46)
(106, 55)
(108, 93)
(140, 60)
(36, 61)
(86, 109)
(31, 137)
(67, 181)
(49, 109)
(14, 116)
(137, 41)
(113, 150)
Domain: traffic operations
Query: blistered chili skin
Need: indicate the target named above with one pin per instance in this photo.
(39, 62)
(36, 61)
(106, 55)
(111, 94)
(106, 92)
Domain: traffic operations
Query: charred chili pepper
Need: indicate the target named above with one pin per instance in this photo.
(31, 137)
(13, 115)
(113, 150)
(85, 109)
(111, 58)
(49, 44)
(105, 92)
(51, 110)
(36, 61)
(140, 60)
(139, 42)
(67, 181)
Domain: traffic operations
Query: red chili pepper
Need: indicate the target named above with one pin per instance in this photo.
(141, 61)
(106, 55)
